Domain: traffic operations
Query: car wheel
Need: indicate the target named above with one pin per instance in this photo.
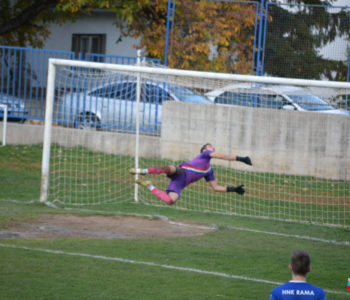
(88, 121)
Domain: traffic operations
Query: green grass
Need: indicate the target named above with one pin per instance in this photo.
(276, 196)
(33, 274)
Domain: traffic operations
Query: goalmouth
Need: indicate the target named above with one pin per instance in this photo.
(102, 119)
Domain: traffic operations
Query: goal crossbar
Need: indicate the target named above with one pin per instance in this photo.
(200, 74)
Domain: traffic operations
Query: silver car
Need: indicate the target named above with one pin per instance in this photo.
(113, 106)
(278, 97)
(16, 109)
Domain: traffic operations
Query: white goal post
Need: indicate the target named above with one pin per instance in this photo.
(4, 124)
(102, 119)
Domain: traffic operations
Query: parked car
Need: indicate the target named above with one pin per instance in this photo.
(277, 96)
(16, 109)
(113, 106)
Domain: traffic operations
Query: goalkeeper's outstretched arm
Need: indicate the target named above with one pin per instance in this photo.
(244, 159)
(220, 188)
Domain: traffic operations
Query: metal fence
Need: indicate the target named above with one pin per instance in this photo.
(23, 80)
(23, 76)
(288, 39)
(276, 49)
(281, 39)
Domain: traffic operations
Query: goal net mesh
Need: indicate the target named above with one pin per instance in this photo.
(298, 143)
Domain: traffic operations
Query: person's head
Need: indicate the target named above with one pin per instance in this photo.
(300, 263)
(207, 146)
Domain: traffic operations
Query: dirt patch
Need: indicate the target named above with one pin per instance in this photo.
(100, 227)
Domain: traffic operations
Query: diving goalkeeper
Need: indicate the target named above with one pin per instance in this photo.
(185, 173)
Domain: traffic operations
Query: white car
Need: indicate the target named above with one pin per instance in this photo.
(113, 106)
(276, 96)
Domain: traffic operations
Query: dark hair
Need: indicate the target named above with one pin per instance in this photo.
(300, 262)
(204, 146)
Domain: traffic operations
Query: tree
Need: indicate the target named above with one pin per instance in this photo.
(25, 22)
(295, 36)
(205, 35)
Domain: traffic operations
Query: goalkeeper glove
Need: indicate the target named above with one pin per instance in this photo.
(246, 160)
(237, 189)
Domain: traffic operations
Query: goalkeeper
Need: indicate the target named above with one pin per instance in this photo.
(188, 172)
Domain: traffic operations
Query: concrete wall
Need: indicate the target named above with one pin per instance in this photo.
(286, 142)
(102, 141)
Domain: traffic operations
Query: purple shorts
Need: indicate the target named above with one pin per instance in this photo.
(177, 183)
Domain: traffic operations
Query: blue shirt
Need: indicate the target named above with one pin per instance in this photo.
(297, 290)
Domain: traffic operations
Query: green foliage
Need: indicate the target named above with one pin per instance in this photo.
(21, 172)
(29, 29)
(198, 27)
(294, 38)
(26, 22)
(263, 194)
(205, 35)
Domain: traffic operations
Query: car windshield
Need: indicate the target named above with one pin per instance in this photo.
(311, 102)
(186, 95)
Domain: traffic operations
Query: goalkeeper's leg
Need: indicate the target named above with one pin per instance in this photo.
(168, 170)
(167, 198)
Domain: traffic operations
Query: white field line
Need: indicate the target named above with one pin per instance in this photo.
(304, 237)
(296, 236)
(152, 264)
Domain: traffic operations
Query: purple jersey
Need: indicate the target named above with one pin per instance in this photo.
(294, 290)
(196, 169)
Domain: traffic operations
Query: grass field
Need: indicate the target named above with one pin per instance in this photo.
(244, 258)
(80, 176)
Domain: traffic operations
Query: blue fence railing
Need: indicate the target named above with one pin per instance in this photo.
(23, 80)
(23, 76)
(123, 60)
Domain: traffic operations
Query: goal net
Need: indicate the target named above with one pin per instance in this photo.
(103, 119)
